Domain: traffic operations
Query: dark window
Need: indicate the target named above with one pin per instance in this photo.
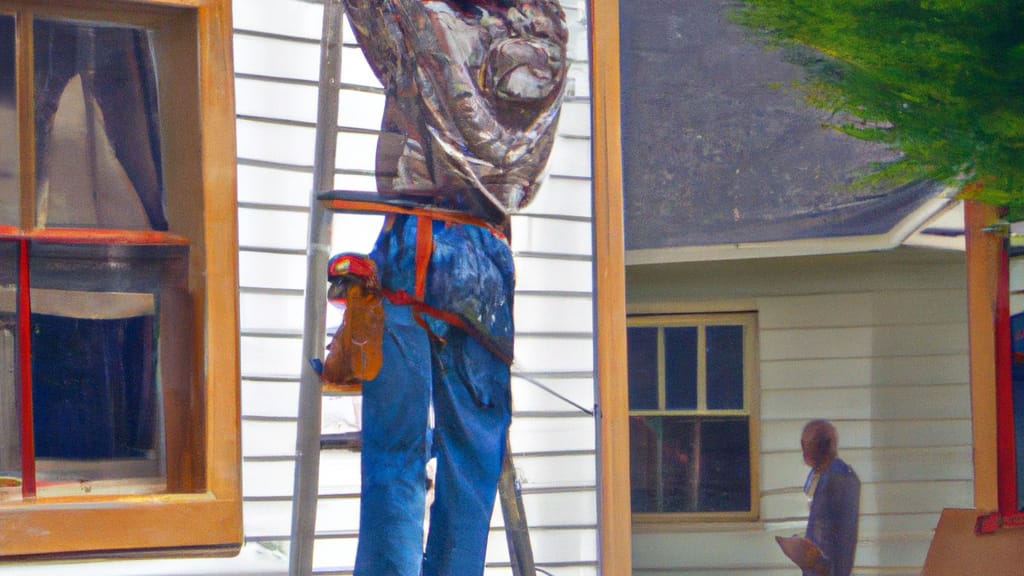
(690, 415)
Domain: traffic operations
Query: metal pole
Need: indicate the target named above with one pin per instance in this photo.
(517, 531)
(307, 449)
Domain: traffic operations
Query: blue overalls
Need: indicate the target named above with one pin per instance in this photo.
(467, 379)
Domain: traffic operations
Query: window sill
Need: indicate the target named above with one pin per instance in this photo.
(675, 525)
(253, 560)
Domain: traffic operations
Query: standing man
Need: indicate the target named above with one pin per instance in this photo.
(833, 489)
(473, 94)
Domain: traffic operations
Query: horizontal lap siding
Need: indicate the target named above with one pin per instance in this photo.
(552, 437)
(876, 344)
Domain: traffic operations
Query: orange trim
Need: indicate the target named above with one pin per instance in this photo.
(339, 205)
(28, 449)
(424, 249)
(92, 236)
(402, 298)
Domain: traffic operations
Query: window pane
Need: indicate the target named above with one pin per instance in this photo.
(1017, 355)
(681, 368)
(661, 464)
(97, 127)
(100, 365)
(9, 197)
(724, 465)
(642, 361)
(689, 464)
(10, 435)
(725, 367)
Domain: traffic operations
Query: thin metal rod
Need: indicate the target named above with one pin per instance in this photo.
(517, 530)
(307, 449)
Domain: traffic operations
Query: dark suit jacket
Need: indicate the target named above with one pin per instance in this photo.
(832, 524)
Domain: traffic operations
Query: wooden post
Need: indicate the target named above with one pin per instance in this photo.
(984, 252)
(610, 293)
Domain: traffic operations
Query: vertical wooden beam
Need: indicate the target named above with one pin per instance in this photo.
(985, 252)
(25, 90)
(615, 538)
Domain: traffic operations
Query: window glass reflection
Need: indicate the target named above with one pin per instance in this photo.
(642, 367)
(689, 464)
(10, 436)
(97, 127)
(681, 368)
(725, 367)
(100, 363)
(9, 197)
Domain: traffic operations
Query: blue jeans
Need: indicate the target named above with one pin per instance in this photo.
(469, 387)
(470, 275)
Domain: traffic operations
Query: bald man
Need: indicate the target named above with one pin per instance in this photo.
(833, 489)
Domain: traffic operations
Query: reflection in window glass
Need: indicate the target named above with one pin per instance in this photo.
(98, 360)
(689, 464)
(10, 436)
(725, 367)
(642, 362)
(9, 196)
(1017, 355)
(97, 128)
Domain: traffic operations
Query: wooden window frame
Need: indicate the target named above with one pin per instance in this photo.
(201, 511)
(750, 400)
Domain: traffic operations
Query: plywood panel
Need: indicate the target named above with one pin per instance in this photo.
(956, 550)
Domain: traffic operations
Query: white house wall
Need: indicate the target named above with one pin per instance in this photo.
(877, 343)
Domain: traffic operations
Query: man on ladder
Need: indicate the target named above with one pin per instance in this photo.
(473, 94)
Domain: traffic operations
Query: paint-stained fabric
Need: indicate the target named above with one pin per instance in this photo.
(469, 388)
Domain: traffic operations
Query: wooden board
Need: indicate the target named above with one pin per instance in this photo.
(956, 550)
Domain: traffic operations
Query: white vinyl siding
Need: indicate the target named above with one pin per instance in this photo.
(877, 343)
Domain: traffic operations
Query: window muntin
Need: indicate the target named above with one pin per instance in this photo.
(692, 424)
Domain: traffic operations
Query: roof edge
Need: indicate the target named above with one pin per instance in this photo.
(895, 237)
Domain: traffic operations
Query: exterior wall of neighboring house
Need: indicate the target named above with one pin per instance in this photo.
(276, 45)
(875, 342)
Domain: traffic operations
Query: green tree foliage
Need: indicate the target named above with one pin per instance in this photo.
(942, 81)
